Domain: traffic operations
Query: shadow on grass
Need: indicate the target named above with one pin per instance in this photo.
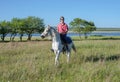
(102, 58)
(4, 41)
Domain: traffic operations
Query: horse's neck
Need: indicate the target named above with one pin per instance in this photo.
(56, 37)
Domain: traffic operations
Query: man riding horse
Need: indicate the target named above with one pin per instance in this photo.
(62, 29)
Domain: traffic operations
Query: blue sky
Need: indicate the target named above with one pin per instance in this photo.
(104, 13)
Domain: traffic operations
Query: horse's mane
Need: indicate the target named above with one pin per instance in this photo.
(53, 29)
(54, 32)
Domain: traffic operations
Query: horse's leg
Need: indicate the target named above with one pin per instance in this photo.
(68, 56)
(68, 52)
(57, 57)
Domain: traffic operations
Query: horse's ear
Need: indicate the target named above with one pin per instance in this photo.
(48, 26)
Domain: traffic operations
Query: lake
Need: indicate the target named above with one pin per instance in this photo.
(96, 33)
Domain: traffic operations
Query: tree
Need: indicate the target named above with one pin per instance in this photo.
(76, 25)
(17, 26)
(82, 26)
(14, 28)
(4, 29)
(88, 27)
(21, 28)
(33, 24)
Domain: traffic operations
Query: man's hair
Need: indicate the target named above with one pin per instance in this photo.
(62, 17)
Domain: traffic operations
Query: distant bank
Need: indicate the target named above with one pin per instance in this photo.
(98, 33)
(108, 29)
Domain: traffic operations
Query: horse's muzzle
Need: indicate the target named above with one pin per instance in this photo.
(42, 36)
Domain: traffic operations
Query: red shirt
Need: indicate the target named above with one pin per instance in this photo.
(62, 28)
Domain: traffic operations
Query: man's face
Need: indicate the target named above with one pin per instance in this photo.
(62, 20)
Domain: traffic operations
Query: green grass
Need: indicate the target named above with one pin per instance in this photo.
(95, 61)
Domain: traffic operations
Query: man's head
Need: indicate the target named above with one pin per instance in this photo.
(62, 19)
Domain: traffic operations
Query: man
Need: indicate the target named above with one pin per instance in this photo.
(62, 28)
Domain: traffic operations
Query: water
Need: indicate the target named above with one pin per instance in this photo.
(102, 33)
(96, 33)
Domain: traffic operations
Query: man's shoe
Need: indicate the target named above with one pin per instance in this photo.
(52, 50)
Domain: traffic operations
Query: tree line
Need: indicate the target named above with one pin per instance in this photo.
(21, 26)
(32, 24)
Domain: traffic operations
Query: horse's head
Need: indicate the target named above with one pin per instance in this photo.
(45, 32)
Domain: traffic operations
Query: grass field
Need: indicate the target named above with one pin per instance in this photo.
(95, 61)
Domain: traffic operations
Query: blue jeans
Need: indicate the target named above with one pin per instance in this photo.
(63, 38)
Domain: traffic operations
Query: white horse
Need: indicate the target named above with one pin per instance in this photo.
(57, 44)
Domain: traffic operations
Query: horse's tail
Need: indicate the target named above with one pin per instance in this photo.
(73, 47)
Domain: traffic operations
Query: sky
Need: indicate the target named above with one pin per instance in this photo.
(104, 13)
